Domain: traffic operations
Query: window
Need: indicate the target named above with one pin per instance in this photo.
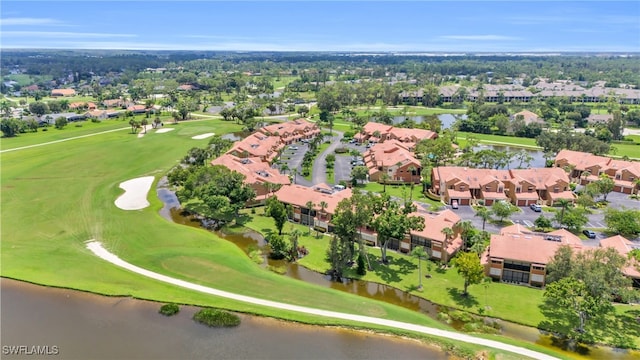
(462, 187)
(518, 189)
(530, 188)
(517, 265)
(538, 267)
(493, 261)
(515, 276)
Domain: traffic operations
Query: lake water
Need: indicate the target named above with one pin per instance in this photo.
(446, 120)
(537, 155)
(80, 325)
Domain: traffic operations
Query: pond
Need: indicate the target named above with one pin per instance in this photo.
(248, 239)
(78, 325)
(538, 160)
(446, 120)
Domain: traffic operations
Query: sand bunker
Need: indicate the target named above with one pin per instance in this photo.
(163, 130)
(135, 193)
(202, 136)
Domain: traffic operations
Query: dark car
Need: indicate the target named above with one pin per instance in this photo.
(590, 234)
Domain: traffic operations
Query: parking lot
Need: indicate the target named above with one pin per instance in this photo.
(342, 167)
(294, 156)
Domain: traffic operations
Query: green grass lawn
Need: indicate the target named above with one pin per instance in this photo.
(56, 197)
(497, 139)
(506, 301)
(401, 191)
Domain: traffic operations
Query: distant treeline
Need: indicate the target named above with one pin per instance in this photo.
(613, 69)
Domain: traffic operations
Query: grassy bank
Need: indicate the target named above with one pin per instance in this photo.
(56, 197)
(517, 304)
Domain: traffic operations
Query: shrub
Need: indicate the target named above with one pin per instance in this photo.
(78, 125)
(169, 309)
(95, 120)
(361, 270)
(341, 150)
(216, 318)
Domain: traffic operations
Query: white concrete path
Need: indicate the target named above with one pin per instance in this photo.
(97, 248)
(63, 140)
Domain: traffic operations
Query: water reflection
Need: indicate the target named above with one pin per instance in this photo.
(88, 326)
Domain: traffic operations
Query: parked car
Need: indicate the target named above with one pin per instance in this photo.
(293, 147)
(590, 234)
(454, 204)
(536, 207)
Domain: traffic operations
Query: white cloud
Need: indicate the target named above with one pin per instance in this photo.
(60, 34)
(29, 21)
(479, 37)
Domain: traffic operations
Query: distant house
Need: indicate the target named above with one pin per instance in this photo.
(82, 105)
(137, 109)
(51, 118)
(376, 132)
(111, 103)
(596, 118)
(63, 92)
(528, 117)
(292, 131)
(187, 87)
(31, 88)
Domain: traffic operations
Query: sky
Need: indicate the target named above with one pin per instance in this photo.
(358, 26)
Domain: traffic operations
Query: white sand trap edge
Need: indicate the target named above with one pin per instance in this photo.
(202, 136)
(135, 193)
(164, 130)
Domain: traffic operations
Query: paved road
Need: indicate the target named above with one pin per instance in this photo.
(97, 248)
(319, 170)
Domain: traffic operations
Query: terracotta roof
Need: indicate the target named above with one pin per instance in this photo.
(255, 170)
(581, 160)
(258, 145)
(623, 246)
(434, 223)
(389, 154)
(528, 117)
(289, 126)
(541, 178)
(63, 92)
(299, 195)
(530, 247)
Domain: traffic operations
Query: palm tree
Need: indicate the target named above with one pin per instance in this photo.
(384, 178)
(564, 203)
(413, 170)
(636, 182)
(484, 213)
(294, 236)
(323, 206)
(418, 252)
(465, 228)
(448, 234)
(144, 123)
(294, 172)
(309, 206)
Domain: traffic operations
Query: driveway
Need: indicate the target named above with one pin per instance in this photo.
(319, 170)
(342, 168)
(619, 200)
(97, 249)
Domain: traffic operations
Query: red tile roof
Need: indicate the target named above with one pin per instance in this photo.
(524, 245)
(299, 195)
(623, 246)
(255, 170)
(63, 92)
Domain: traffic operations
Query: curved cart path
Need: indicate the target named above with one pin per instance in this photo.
(97, 248)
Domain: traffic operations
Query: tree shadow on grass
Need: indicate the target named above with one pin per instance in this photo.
(466, 301)
(243, 219)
